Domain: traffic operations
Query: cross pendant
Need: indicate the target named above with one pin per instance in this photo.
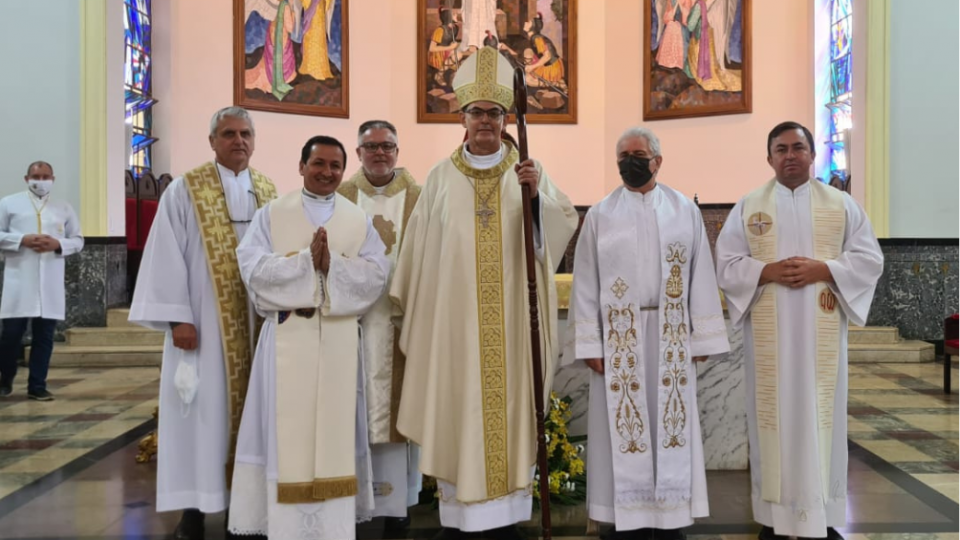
(485, 213)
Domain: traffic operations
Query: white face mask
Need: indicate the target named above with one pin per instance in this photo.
(40, 188)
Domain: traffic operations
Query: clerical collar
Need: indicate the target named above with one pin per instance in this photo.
(647, 198)
(799, 189)
(319, 200)
(483, 162)
(379, 190)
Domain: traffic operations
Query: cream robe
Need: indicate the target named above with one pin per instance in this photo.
(801, 510)
(645, 299)
(33, 283)
(278, 283)
(469, 402)
(397, 480)
(174, 285)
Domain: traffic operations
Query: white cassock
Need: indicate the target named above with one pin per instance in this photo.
(479, 17)
(801, 510)
(174, 285)
(645, 299)
(272, 288)
(33, 283)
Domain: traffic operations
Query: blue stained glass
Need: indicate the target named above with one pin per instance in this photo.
(840, 74)
(841, 39)
(841, 9)
(137, 82)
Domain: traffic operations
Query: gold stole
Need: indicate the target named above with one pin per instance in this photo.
(493, 351)
(829, 222)
(404, 182)
(316, 368)
(220, 246)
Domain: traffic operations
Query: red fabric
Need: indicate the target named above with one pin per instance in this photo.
(952, 343)
(133, 238)
(148, 211)
(955, 316)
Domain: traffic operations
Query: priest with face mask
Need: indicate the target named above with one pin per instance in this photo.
(644, 309)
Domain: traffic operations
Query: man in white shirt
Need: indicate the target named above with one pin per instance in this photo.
(36, 233)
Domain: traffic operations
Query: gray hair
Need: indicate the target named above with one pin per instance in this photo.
(638, 131)
(375, 124)
(234, 112)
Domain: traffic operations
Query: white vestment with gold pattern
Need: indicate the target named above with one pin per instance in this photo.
(176, 284)
(271, 496)
(795, 343)
(396, 476)
(645, 299)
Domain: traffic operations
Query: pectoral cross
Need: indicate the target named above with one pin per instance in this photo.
(485, 213)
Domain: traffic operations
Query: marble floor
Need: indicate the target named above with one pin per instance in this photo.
(67, 467)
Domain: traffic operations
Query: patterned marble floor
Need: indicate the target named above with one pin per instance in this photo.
(67, 467)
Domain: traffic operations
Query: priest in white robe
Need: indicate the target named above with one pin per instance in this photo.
(312, 262)
(189, 287)
(797, 261)
(461, 283)
(644, 308)
(387, 194)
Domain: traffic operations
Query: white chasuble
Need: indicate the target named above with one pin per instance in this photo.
(796, 345)
(468, 392)
(645, 300)
(301, 455)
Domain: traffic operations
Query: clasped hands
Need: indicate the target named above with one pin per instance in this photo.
(41, 243)
(796, 272)
(320, 250)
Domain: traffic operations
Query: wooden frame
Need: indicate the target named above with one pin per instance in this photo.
(307, 95)
(725, 90)
(430, 103)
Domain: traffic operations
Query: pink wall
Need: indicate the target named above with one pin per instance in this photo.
(719, 158)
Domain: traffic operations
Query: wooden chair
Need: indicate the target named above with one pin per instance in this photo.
(951, 332)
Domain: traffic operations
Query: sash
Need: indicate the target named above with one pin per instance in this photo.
(316, 368)
(760, 223)
(384, 363)
(626, 384)
(220, 246)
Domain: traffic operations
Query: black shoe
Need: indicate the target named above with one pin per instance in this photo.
(766, 533)
(510, 532)
(40, 395)
(190, 526)
(832, 534)
(448, 533)
(668, 534)
(396, 523)
(635, 534)
(6, 388)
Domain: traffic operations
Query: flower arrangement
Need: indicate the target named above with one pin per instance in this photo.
(565, 467)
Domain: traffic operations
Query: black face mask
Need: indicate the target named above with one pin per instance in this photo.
(635, 171)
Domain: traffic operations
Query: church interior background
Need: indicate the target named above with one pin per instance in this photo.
(117, 95)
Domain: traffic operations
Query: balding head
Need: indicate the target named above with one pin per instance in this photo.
(39, 170)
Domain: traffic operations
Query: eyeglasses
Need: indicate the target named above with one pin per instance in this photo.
(372, 147)
(492, 114)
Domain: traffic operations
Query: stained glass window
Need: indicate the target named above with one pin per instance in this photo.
(841, 79)
(138, 83)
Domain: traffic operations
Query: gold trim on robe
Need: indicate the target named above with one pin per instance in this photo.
(220, 246)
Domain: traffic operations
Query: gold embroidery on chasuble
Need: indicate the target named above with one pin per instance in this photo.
(387, 231)
(675, 353)
(220, 246)
(493, 369)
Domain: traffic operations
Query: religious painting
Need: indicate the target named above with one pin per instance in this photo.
(696, 58)
(290, 56)
(539, 36)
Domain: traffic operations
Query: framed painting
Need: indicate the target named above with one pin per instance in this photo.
(291, 56)
(538, 35)
(696, 58)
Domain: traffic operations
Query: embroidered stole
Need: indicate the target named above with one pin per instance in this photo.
(626, 384)
(316, 368)
(385, 365)
(760, 223)
(220, 246)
